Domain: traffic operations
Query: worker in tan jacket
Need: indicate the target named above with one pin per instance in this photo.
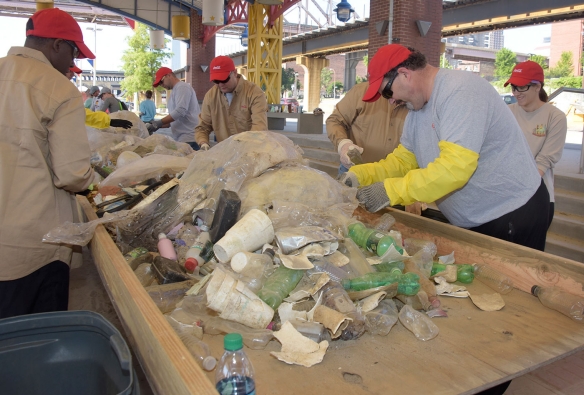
(374, 129)
(44, 160)
(232, 106)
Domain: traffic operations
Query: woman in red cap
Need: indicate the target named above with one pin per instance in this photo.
(543, 125)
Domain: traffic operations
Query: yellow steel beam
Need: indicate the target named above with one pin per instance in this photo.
(264, 51)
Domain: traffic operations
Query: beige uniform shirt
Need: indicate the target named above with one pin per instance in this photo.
(248, 111)
(376, 127)
(44, 157)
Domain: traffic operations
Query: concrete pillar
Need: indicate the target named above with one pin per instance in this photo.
(352, 59)
(405, 30)
(199, 55)
(241, 70)
(312, 68)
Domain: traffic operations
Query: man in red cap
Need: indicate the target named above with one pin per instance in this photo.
(44, 160)
(183, 108)
(232, 106)
(461, 148)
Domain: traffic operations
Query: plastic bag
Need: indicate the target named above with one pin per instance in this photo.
(101, 143)
(294, 183)
(138, 127)
(160, 144)
(152, 166)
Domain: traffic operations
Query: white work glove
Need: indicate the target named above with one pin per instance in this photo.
(204, 147)
(348, 179)
(344, 146)
(373, 197)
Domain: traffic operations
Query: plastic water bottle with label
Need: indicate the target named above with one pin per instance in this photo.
(235, 374)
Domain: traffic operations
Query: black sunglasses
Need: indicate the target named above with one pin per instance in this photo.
(224, 81)
(523, 88)
(75, 49)
(387, 93)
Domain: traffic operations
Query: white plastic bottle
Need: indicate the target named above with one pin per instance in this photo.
(165, 247)
(234, 374)
(193, 255)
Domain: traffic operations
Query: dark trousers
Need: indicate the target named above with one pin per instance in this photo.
(194, 145)
(44, 290)
(551, 216)
(526, 226)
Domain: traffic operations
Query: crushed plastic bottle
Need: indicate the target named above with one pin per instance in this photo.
(358, 264)
(566, 303)
(145, 274)
(493, 278)
(389, 266)
(355, 156)
(464, 273)
(256, 339)
(198, 348)
(372, 240)
(254, 269)
(322, 265)
(412, 246)
(380, 320)
(335, 297)
(279, 285)
(408, 284)
(235, 373)
(418, 323)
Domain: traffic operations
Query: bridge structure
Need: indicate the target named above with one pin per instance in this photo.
(390, 21)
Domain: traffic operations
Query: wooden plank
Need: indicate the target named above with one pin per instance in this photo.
(474, 350)
(168, 365)
(525, 266)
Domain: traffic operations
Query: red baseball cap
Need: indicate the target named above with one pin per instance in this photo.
(76, 70)
(54, 23)
(159, 74)
(525, 72)
(386, 58)
(221, 66)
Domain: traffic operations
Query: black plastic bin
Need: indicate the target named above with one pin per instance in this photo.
(62, 353)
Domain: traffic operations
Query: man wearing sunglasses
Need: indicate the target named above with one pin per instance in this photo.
(461, 147)
(44, 160)
(183, 108)
(232, 106)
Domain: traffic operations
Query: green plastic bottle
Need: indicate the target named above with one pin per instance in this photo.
(464, 272)
(279, 285)
(372, 280)
(408, 284)
(372, 240)
(389, 266)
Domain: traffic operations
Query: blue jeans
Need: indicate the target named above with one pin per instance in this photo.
(194, 145)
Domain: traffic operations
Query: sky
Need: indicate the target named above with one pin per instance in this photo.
(111, 41)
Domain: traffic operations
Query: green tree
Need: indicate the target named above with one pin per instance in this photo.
(326, 80)
(366, 60)
(504, 63)
(564, 67)
(288, 78)
(539, 59)
(444, 63)
(140, 61)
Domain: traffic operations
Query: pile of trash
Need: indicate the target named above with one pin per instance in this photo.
(249, 239)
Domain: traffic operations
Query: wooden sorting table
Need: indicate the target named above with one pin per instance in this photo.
(475, 350)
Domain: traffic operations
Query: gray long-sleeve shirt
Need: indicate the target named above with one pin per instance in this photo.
(184, 108)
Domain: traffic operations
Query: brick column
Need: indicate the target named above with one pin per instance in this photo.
(312, 68)
(405, 30)
(199, 55)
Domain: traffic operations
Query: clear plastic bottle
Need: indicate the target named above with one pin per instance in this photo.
(279, 285)
(235, 373)
(335, 297)
(566, 303)
(145, 274)
(493, 278)
(324, 266)
(372, 240)
(358, 264)
(198, 348)
(419, 324)
(412, 246)
(253, 268)
(389, 266)
(380, 320)
(165, 247)
(193, 256)
(256, 339)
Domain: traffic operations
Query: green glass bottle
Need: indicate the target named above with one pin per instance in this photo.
(372, 280)
(372, 240)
